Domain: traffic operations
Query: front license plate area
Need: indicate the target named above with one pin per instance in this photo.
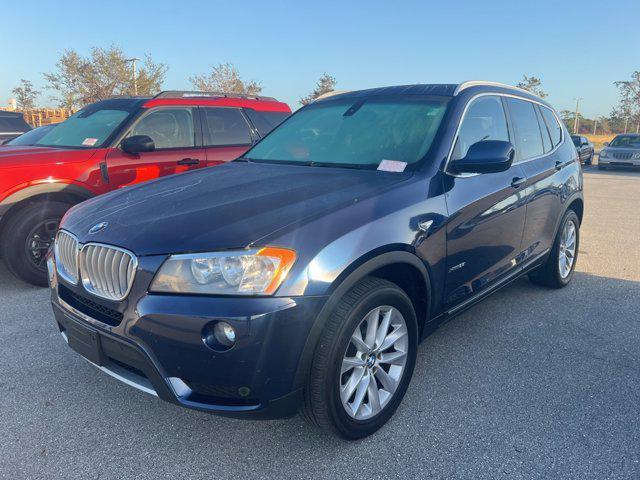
(85, 341)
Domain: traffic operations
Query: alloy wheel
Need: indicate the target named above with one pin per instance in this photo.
(374, 362)
(39, 240)
(567, 255)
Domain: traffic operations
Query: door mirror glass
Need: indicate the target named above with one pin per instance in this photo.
(137, 144)
(487, 156)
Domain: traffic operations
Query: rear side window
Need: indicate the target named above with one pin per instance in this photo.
(167, 127)
(528, 140)
(484, 120)
(265, 121)
(13, 124)
(546, 138)
(552, 124)
(225, 126)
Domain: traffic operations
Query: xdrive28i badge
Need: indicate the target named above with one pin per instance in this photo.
(98, 227)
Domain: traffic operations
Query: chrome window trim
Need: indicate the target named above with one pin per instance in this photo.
(85, 280)
(60, 273)
(498, 94)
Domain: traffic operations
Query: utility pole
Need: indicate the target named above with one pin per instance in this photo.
(135, 74)
(626, 122)
(575, 120)
(595, 125)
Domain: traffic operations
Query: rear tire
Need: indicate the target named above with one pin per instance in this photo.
(26, 238)
(589, 161)
(556, 273)
(338, 363)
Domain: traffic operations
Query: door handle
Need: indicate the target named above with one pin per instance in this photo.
(558, 165)
(188, 161)
(517, 182)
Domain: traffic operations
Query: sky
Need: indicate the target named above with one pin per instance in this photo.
(577, 48)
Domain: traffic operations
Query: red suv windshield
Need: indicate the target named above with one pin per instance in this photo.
(88, 128)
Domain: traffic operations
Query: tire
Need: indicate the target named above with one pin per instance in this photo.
(550, 274)
(323, 405)
(20, 229)
(589, 161)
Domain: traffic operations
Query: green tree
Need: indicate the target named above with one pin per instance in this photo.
(225, 78)
(104, 73)
(25, 95)
(326, 83)
(532, 84)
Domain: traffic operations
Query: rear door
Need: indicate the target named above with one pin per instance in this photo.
(226, 134)
(486, 211)
(175, 131)
(538, 135)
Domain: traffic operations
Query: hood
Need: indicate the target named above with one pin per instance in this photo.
(223, 207)
(22, 155)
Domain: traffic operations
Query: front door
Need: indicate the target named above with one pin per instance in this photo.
(173, 131)
(486, 211)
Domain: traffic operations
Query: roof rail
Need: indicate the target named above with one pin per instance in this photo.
(196, 94)
(474, 83)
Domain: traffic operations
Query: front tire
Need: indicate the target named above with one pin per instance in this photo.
(558, 270)
(27, 237)
(363, 362)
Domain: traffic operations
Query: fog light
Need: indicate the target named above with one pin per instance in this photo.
(225, 334)
(219, 336)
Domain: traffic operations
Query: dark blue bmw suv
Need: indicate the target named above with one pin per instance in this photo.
(302, 276)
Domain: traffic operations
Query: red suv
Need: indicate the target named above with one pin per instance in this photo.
(112, 144)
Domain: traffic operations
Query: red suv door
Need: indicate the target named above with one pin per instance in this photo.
(226, 134)
(174, 131)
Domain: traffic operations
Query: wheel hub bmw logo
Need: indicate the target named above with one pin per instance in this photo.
(98, 227)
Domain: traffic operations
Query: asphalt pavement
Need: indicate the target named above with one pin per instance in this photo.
(532, 383)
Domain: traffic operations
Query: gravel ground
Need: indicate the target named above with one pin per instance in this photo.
(531, 383)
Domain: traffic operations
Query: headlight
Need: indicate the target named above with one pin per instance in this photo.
(636, 155)
(244, 272)
(603, 154)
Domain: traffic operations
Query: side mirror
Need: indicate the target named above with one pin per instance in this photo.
(605, 144)
(137, 144)
(487, 156)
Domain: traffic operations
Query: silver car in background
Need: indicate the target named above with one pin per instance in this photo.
(623, 151)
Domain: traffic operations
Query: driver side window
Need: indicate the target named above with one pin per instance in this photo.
(167, 127)
(484, 120)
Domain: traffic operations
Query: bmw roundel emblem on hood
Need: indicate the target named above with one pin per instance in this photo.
(98, 227)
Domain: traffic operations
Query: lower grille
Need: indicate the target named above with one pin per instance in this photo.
(89, 307)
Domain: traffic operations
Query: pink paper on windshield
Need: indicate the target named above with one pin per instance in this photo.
(392, 166)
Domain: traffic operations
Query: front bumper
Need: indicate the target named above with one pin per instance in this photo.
(157, 347)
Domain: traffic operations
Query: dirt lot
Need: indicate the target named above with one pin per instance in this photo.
(531, 383)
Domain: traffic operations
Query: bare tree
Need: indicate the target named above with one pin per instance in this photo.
(532, 84)
(25, 95)
(105, 72)
(628, 107)
(226, 78)
(326, 83)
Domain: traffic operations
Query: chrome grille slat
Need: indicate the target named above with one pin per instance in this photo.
(66, 255)
(107, 272)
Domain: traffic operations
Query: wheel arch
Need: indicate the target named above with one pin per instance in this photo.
(400, 266)
(47, 192)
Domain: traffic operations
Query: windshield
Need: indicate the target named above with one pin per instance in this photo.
(355, 133)
(630, 141)
(576, 141)
(88, 128)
